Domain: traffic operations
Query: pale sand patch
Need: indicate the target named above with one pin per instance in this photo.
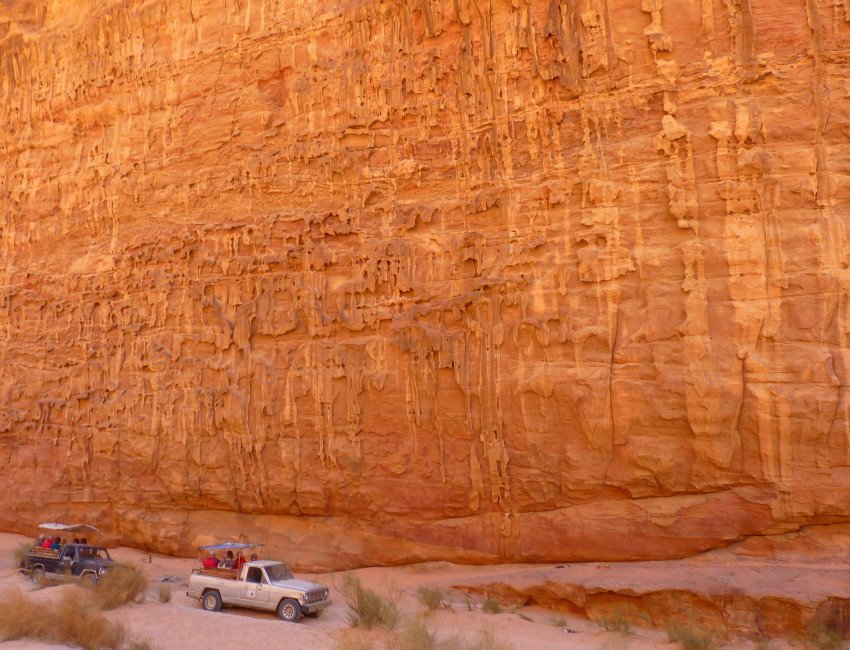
(182, 624)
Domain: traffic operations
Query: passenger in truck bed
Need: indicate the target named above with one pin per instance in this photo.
(211, 562)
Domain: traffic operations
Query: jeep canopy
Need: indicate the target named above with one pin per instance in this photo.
(227, 546)
(74, 528)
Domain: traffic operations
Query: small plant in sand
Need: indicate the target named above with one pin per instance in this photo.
(558, 621)
(122, 584)
(20, 553)
(485, 640)
(760, 643)
(692, 636)
(366, 607)
(142, 644)
(491, 606)
(620, 620)
(69, 620)
(822, 637)
(417, 635)
(163, 594)
(431, 597)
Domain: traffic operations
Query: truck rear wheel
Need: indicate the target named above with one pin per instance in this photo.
(211, 601)
(289, 610)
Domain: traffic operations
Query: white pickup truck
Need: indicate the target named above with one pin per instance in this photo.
(261, 584)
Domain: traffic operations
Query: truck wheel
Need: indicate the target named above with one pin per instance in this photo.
(37, 576)
(289, 610)
(211, 601)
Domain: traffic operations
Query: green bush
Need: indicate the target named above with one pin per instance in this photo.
(366, 607)
(431, 597)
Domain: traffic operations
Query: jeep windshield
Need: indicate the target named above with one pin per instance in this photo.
(278, 572)
(91, 553)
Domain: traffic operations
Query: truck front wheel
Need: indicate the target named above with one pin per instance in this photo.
(289, 610)
(211, 601)
(37, 576)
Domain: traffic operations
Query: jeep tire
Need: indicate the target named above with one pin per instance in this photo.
(38, 577)
(289, 610)
(211, 601)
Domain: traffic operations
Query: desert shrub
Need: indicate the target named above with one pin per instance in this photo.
(142, 644)
(620, 620)
(524, 617)
(485, 640)
(70, 620)
(20, 552)
(366, 607)
(431, 597)
(120, 585)
(492, 606)
(558, 621)
(417, 635)
(763, 644)
(691, 636)
(163, 594)
(823, 638)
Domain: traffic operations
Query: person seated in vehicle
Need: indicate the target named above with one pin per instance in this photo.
(255, 574)
(83, 541)
(48, 541)
(211, 562)
(227, 562)
(239, 561)
(57, 544)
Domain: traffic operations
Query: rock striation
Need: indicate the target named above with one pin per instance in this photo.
(382, 281)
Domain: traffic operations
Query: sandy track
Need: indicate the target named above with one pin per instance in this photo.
(182, 624)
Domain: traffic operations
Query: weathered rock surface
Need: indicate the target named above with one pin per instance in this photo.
(399, 280)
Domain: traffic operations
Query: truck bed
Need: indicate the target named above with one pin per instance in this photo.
(227, 574)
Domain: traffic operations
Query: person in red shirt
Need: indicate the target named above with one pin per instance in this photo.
(211, 562)
(47, 542)
(240, 560)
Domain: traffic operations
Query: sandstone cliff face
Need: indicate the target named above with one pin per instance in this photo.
(390, 280)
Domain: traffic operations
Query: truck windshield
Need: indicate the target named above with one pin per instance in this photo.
(90, 553)
(278, 572)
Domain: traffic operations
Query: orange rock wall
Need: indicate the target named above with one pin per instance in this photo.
(391, 280)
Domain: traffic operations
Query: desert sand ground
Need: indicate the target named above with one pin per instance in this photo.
(181, 623)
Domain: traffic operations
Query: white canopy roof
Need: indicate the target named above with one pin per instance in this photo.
(74, 528)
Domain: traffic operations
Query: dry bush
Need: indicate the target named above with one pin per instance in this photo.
(431, 597)
(692, 636)
(163, 594)
(823, 637)
(120, 585)
(70, 620)
(142, 644)
(366, 607)
(492, 606)
(20, 553)
(417, 635)
(485, 640)
(620, 620)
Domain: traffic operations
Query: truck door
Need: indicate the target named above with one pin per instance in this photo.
(256, 588)
(67, 561)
